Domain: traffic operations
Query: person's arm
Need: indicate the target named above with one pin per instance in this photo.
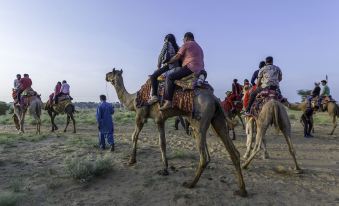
(254, 77)
(280, 75)
(178, 55)
(162, 53)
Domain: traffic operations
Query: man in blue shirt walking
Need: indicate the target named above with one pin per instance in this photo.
(105, 123)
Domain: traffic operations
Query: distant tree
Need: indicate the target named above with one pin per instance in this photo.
(303, 93)
(3, 108)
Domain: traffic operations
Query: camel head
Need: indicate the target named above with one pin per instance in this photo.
(114, 76)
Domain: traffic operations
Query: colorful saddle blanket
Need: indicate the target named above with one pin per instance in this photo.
(26, 96)
(183, 95)
(60, 107)
(262, 98)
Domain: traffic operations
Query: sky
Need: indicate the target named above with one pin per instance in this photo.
(81, 40)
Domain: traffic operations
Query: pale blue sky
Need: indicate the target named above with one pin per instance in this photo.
(82, 40)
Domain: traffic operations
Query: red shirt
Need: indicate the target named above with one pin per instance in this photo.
(25, 83)
(57, 89)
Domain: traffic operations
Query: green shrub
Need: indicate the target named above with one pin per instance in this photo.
(3, 108)
(9, 199)
(84, 169)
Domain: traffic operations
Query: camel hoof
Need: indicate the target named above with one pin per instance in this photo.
(188, 185)
(64, 131)
(163, 172)
(265, 156)
(244, 167)
(241, 193)
(298, 171)
(132, 162)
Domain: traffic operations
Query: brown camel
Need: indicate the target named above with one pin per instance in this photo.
(273, 112)
(209, 111)
(68, 110)
(34, 108)
(331, 107)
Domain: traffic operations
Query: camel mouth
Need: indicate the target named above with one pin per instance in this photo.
(108, 79)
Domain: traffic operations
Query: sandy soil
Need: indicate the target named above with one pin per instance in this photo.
(40, 165)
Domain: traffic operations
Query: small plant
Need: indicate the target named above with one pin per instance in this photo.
(9, 199)
(16, 184)
(84, 169)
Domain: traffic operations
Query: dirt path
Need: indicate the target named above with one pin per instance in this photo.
(40, 167)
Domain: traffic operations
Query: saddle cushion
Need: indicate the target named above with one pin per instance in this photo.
(60, 107)
(182, 99)
(262, 98)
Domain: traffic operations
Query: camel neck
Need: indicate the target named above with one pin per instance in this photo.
(126, 98)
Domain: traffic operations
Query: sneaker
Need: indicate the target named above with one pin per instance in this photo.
(153, 100)
(167, 105)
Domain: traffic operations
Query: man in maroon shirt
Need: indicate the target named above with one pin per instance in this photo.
(25, 83)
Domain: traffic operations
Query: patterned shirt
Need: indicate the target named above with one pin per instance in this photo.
(270, 75)
(167, 52)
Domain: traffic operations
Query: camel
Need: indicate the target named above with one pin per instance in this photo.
(331, 107)
(232, 115)
(209, 112)
(273, 112)
(68, 110)
(34, 108)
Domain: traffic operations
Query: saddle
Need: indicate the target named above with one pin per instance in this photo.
(262, 98)
(323, 104)
(26, 96)
(186, 89)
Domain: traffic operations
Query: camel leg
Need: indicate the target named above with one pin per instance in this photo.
(249, 142)
(265, 154)
(22, 121)
(162, 143)
(242, 122)
(138, 127)
(334, 120)
(220, 127)
(67, 122)
(73, 121)
(16, 122)
(261, 131)
(287, 136)
(200, 138)
(233, 132)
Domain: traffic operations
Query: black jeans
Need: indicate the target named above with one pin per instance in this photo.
(154, 79)
(170, 86)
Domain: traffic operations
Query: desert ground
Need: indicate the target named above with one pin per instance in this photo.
(52, 168)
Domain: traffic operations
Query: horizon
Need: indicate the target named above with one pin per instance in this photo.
(80, 41)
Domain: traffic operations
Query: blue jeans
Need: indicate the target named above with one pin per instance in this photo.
(103, 136)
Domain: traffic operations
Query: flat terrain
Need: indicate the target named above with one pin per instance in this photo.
(33, 169)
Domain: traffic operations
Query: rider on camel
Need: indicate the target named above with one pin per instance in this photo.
(192, 58)
(236, 94)
(325, 93)
(25, 83)
(268, 78)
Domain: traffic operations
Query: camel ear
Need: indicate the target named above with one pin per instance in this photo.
(121, 71)
(114, 70)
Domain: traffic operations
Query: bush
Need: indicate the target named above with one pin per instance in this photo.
(3, 108)
(9, 199)
(84, 169)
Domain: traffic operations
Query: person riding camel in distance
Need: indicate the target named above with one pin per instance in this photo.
(268, 78)
(25, 83)
(192, 58)
(255, 75)
(324, 93)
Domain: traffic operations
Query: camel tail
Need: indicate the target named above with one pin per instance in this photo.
(276, 113)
